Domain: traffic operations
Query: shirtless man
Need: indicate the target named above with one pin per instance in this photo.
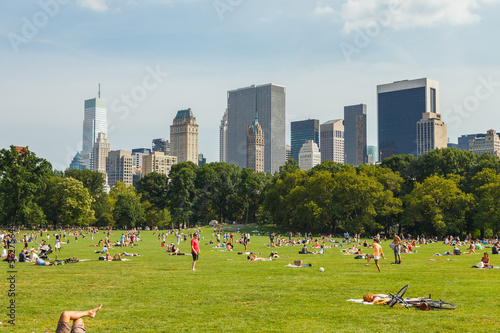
(397, 248)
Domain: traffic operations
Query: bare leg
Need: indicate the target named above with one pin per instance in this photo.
(67, 316)
(194, 263)
(368, 257)
(376, 264)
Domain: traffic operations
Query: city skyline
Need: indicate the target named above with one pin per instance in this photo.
(327, 53)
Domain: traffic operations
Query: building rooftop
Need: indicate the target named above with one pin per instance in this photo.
(184, 114)
(332, 121)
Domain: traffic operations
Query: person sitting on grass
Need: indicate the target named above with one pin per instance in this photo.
(494, 249)
(456, 250)
(486, 260)
(63, 325)
(305, 250)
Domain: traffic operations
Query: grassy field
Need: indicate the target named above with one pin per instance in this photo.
(160, 293)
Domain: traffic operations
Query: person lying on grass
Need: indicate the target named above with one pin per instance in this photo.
(382, 299)
(40, 262)
(253, 257)
(117, 257)
(63, 325)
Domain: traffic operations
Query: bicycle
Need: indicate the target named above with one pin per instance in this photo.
(420, 302)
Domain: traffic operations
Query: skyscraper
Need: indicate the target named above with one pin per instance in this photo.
(77, 163)
(119, 167)
(270, 102)
(161, 145)
(300, 132)
(95, 121)
(332, 141)
(137, 155)
(255, 146)
(431, 133)
(309, 155)
(400, 107)
(355, 134)
(372, 154)
(223, 139)
(101, 151)
(184, 137)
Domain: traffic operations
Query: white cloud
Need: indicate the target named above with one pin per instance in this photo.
(95, 5)
(401, 14)
(322, 10)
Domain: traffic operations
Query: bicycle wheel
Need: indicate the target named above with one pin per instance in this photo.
(402, 291)
(441, 305)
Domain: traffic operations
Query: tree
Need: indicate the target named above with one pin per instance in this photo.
(23, 177)
(250, 188)
(405, 166)
(437, 206)
(444, 162)
(181, 191)
(153, 187)
(486, 186)
(94, 182)
(67, 202)
(128, 212)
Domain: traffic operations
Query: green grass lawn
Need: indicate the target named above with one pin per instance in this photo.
(160, 293)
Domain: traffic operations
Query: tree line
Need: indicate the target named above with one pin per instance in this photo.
(446, 191)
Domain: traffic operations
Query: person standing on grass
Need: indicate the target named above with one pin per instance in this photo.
(195, 249)
(377, 253)
(397, 248)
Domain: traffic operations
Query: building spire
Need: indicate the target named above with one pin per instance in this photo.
(99, 91)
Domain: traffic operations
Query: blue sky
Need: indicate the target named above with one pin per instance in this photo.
(327, 53)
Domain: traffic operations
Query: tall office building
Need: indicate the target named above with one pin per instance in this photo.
(158, 162)
(332, 141)
(400, 107)
(255, 146)
(489, 144)
(372, 154)
(77, 163)
(288, 152)
(95, 121)
(184, 137)
(161, 145)
(223, 139)
(431, 133)
(300, 132)
(355, 134)
(137, 155)
(270, 102)
(101, 151)
(119, 167)
(201, 160)
(309, 155)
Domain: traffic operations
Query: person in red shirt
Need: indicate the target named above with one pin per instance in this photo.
(195, 249)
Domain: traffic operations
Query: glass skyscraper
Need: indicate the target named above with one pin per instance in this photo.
(270, 102)
(302, 131)
(95, 121)
(355, 134)
(400, 107)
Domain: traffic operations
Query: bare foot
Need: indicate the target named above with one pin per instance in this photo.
(94, 311)
(367, 264)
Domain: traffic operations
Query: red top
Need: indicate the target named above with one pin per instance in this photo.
(195, 246)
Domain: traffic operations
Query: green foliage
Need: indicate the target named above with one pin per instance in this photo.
(153, 187)
(438, 206)
(67, 202)
(23, 177)
(181, 191)
(128, 212)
